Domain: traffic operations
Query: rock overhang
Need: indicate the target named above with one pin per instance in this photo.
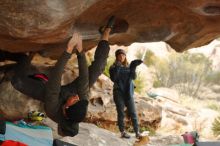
(46, 25)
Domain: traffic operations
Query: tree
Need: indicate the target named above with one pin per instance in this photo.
(184, 72)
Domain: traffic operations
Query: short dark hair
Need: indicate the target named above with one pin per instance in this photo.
(77, 112)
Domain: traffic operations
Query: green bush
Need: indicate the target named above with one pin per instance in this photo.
(149, 58)
(216, 126)
(152, 132)
(188, 71)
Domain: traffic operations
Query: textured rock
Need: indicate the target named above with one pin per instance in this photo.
(15, 105)
(46, 25)
(165, 140)
(91, 135)
(178, 118)
(102, 110)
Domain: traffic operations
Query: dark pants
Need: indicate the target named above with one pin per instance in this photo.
(121, 102)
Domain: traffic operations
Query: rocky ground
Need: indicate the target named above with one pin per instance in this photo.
(91, 135)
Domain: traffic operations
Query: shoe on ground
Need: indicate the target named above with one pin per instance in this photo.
(138, 135)
(125, 135)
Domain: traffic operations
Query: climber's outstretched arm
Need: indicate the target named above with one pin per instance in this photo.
(54, 83)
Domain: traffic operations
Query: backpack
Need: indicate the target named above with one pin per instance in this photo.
(191, 137)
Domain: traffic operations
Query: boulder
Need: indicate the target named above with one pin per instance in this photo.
(90, 135)
(15, 105)
(46, 25)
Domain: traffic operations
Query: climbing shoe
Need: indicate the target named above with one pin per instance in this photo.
(36, 116)
(110, 24)
(125, 135)
(138, 135)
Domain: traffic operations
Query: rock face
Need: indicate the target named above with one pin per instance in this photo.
(101, 111)
(91, 135)
(46, 25)
(15, 105)
(177, 118)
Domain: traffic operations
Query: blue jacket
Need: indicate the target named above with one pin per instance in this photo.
(123, 77)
